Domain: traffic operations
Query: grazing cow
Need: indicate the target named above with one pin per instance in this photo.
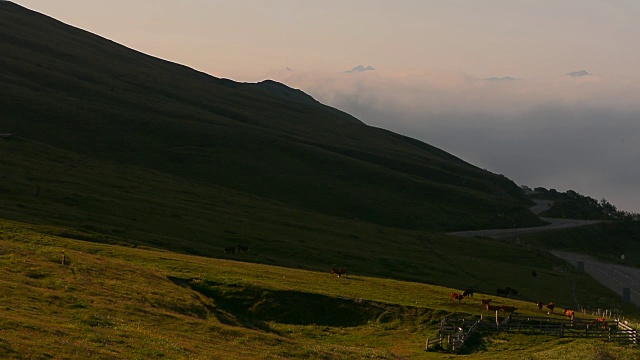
(508, 309)
(568, 312)
(485, 302)
(339, 272)
(456, 296)
(540, 305)
(243, 248)
(230, 250)
(501, 292)
(468, 292)
(493, 307)
(551, 306)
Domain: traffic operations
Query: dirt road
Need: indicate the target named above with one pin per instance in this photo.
(614, 276)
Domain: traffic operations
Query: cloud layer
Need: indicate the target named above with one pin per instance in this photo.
(565, 133)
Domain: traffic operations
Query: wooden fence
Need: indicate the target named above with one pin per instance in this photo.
(457, 336)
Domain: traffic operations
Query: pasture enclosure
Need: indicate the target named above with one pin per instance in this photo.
(457, 331)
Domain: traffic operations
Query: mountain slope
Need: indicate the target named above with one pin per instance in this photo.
(76, 91)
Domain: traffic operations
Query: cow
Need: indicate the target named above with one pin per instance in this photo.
(540, 305)
(456, 296)
(600, 322)
(230, 250)
(339, 272)
(485, 302)
(243, 248)
(493, 307)
(508, 309)
(551, 306)
(568, 312)
(468, 292)
(501, 292)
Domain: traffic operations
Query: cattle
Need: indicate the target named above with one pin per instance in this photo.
(502, 292)
(568, 312)
(468, 292)
(508, 309)
(493, 307)
(485, 302)
(600, 322)
(551, 306)
(339, 272)
(230, 250)
(540, 305)
(456, 296)
(243, 248)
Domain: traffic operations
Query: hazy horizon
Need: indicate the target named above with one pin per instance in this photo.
(552, 125)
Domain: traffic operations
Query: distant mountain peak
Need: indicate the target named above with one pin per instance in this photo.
(580, 73)
(504, 78)
(360, 68)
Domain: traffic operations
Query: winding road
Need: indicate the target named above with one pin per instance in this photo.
(541, 205)
(613, 276)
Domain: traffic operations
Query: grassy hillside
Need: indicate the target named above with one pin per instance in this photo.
(75, 91)
(110, 302)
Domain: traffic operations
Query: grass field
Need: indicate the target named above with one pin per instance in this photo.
(113, 301)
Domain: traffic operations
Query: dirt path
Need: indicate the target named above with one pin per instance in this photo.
(614, 276)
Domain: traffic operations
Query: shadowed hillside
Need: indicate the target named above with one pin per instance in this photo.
(75, 91)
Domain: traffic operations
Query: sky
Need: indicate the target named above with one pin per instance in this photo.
(432, 60)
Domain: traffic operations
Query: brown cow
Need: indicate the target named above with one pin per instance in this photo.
(484, 302)
(508, 309)
(568, 312)
(600, 322)
(493, 308)
(456, 296)
(551, 306)
(540, 305)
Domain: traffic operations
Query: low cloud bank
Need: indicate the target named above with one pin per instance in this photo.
(579, 133)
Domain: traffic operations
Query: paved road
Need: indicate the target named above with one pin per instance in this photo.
(614, 276)
(541, 205)
(554, 224)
